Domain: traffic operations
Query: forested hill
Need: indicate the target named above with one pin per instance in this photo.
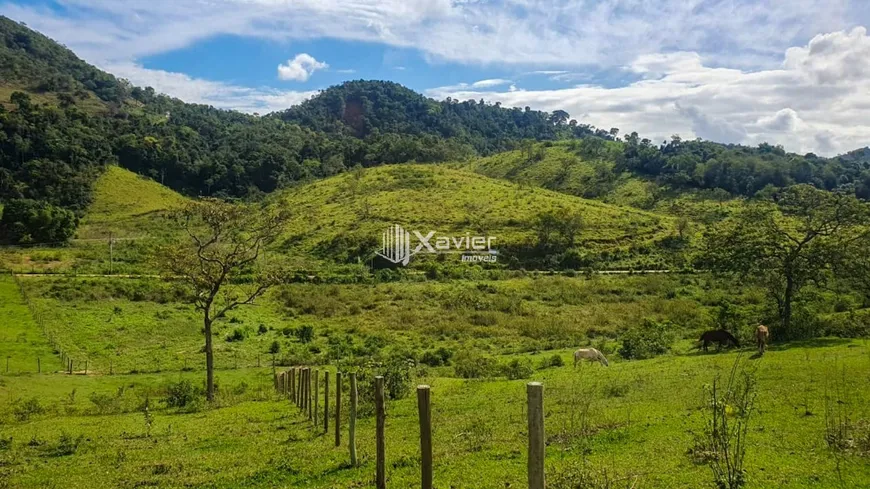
(365, 108)
(62, 121)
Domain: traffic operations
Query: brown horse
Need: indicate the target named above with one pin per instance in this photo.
(719, 336)
(761, 337)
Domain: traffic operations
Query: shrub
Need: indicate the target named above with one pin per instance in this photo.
(472, 365)
(652, 339)
(23, 410)
(237, 335)
(262, 329)
(305, 334)
(517, 369)
(180, 394)
(275, 348)
(67, 445)
(436, 358)
(553, 361)
(105, 403)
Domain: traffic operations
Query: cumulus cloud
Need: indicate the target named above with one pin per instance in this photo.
(812, 102)
(217, 94)
(300, 68)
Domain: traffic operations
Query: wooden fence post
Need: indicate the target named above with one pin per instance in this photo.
(535, 400)
(304, 386)
(38, 365)
(310, 393)
(326, 402)
(7, 365)
(111, 368)
(316, 396)
(338, 409)
(351, 436)
(300, 372)
(381, 414)
(86, 367)
(425, 412)
(292, 394)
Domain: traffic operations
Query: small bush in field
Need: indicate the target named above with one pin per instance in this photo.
(67, 445)
(23, 410)
(553, 361)
(436, 358)
(180, 394)
(237, 335)
(305, 334)
(472, 365)
(650, 340)
(262, 329)
(517, 369)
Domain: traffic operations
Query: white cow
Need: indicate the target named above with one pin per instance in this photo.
(590, 354)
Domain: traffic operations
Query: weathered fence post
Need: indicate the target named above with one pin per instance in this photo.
(286, 390)
(292, 393)
(38, 365)
(300, 372)
(381, 415)
(351, 436)
(338, 409)
(326, 402)
(310, 392)
(425, 413)
(275, 380)
(7, 365)
(86, 367)
(535, 401)
(111, 368)
(304, 387)
(316, 396)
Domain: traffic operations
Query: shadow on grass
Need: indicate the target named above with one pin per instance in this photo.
(788, 345)
(811, 343)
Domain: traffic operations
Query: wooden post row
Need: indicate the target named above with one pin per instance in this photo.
(381, 415)
(292, 394)
(535, 400)
(425, 414)
(351, 436)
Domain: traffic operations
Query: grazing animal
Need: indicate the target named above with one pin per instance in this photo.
(719, 336)
(590, 354)
(761, 337)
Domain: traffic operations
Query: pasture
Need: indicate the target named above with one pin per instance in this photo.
(633, 424)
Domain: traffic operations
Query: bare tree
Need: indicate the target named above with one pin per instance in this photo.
(219, 261)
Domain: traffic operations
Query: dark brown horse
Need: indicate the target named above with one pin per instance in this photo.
(719, 336)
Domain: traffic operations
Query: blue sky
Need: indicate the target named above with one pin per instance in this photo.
(794, 73)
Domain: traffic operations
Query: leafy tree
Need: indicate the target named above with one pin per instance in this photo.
(34, 221)
(786, 244)
(219, 261)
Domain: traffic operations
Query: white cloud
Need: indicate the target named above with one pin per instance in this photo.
(816, 100)
(493, 82)
(300, 68)
(199, 91)
(551, 34)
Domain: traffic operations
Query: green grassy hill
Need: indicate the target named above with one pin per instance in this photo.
(127, 205)
(572, 168)
(338, 216)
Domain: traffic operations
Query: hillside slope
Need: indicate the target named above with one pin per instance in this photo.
(342, 218)
(127, 205)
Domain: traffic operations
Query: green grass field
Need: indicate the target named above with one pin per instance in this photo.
(636, 420)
